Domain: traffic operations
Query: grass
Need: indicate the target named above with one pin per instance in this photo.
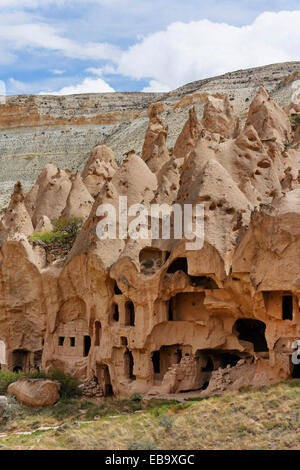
(267, 418)
(68, 384)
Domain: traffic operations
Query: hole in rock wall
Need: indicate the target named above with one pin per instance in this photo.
(187, 306)
(156, 362)
(72, 342)
(116, 315)
(204, 282)
(103, 376)
(129, 364)
(124, 341)
(117, 291)
(20, 360)
(287, 307)
(295, 369)
(129, 314)
(179, 264)
(165, 358)
(151, 260)
(61, 340)
(252, 331)
(87, 345)
(98, 332)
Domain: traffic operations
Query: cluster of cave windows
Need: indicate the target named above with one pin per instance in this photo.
(129, 315)
(72, 343)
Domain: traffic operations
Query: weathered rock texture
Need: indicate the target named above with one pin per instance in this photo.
(152, 316)
(35, 130)
(35, 392)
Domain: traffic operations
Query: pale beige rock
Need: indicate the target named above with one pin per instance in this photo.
(100, 166)
(79, 202)
(35, 393)
(149, 315)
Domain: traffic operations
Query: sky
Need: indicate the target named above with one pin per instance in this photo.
(93, 46)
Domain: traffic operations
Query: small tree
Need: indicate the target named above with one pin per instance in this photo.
(69, 225)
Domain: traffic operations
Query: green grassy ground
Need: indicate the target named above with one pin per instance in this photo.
(267, 418)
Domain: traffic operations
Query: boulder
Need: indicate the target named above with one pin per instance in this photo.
(35, 392)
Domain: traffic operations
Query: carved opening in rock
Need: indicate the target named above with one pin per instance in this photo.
(124, 341)
(129, 314)
(116, 315)
(150, 260)
(37, 359)
(186, 306)
(61, 340)
(20, 360)
(295, 369)
(179, 264)
(204, 282)
(209, 360)
(87, 345)
(156, 362)
(165, 358)
(98, 332)
(287, 307)
(103, 376)
(117, 290)
(128, 365)
(72, 342)
(252, 331)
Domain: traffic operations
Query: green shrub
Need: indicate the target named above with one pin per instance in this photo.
(166, 421)
(69, 386)
(6, 378)
(49, 237)
(136, 397)
(69, 225)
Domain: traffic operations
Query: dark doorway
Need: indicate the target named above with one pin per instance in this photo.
(179, 264)
(20, 360)
(87, 345)
(97, 333)
(116, 313)
(117, 291)
(129, 364)
(156, 362)
(253, 331)
(129, 314)
(287, 307)
(170, 310)
(204, 282)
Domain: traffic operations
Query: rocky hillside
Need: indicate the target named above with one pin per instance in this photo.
(35, 130)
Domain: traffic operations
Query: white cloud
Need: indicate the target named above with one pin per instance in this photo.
(156, 87)
(89, 85)
(19, 32)
(57, 71)
(185, 52)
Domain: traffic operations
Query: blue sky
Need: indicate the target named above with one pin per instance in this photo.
(75, 46)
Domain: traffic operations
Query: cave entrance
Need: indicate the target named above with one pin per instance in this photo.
(129, 364)
(204, 282)
(103, 376)
(20, 360)
(252, 331)
(129, 314)
(165, 358)
(179, 264)
(287, 307)
(98, 333)
(86, 345)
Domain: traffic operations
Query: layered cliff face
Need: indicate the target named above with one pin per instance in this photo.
(155, 316)
(35, 130)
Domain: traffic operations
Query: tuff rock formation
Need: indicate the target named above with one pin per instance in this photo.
(157, 315)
